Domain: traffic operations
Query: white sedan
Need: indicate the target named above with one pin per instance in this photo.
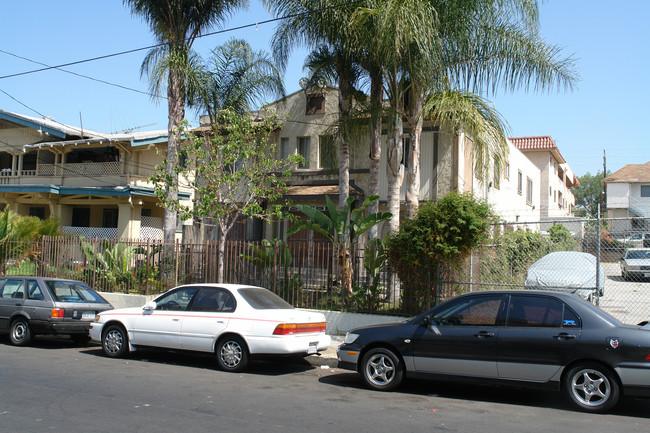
(233, 321)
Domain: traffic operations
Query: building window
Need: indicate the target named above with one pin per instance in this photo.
(645, 190)
(327, 151)
(555, 196)
(109, 218)
(38, 212)
(529, 191)
(284, 148)
(315, 104)
(520, 182)
(550, 191)
(145, 212)
(506, 171)
(304, 150)
(497, 177)
(81, 217)
(406, 149)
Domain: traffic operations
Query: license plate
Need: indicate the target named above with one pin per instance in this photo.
(88, 315)
(313, 347)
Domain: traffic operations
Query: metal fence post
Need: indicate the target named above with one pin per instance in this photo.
(598, 257)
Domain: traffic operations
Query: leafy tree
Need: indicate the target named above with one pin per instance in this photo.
(441, 233)
(342, 228)
(176, 24)
(18, 234)
(232, 172)
(508, 258)
(590, 193)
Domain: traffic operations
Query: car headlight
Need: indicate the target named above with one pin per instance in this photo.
(350, 337)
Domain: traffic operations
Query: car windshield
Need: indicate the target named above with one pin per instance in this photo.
(262, 299)
(73, 291)
(634, 255)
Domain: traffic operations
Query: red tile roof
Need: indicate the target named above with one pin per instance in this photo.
(541, 143)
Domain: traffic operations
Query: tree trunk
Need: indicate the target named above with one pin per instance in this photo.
(394, 171)
(413, 172)
(344, 145)
(221, 253)
(176, 110)
(376, 96)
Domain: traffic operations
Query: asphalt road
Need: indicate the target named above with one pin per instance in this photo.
(54, 386)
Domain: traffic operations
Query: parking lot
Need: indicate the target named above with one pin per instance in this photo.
(628, 301)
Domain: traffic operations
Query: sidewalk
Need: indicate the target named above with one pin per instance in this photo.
(327, 357)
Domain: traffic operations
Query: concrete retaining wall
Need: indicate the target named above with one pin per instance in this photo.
(338, 323)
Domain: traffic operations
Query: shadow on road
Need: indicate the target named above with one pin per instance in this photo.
(264, 367)
(633, 407)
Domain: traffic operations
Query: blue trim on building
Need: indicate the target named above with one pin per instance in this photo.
(106, 192)
(33, 125)
(148, 141)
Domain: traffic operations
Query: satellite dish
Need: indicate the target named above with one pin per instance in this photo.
(304, 82)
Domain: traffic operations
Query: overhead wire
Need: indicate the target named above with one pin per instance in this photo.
(227, 30)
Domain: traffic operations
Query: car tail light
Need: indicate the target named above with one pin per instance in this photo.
(647, 358)
(58, 312)
(299, 328)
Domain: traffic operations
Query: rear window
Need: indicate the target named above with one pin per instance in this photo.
(73, 291)
(262, 299)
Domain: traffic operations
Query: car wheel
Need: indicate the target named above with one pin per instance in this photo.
(19, 333)
(115, 341)
(381, 369)
(591, 387)
(80, 339)
(232, 354)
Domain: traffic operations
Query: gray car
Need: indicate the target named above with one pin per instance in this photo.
(635, 264)
(31, 306)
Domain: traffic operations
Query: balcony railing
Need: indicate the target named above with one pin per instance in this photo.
(81, 169)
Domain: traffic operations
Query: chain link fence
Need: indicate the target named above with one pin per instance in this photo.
(605, 261)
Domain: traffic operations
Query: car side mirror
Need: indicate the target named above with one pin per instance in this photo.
(149, 306)
(426, 321)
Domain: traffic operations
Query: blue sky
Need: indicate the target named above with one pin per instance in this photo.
(607, 112)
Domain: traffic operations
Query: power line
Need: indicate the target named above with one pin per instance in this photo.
(84, 76)
(135, 50)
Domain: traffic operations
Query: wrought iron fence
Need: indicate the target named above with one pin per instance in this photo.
(307, 274)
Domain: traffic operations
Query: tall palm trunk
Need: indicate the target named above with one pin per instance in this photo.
(376, 96)
(176, 109)
(413, 172)
(394, 170)
(344, 145)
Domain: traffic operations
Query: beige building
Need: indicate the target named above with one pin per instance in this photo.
(95, 183)
(556, 177)
(628, 197)
(447, 162)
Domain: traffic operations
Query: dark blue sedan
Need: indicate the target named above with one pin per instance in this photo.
(527, 338)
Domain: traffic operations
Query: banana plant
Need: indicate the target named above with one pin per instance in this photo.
(342, 227)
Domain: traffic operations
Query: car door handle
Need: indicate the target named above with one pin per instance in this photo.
(19, 305)
(175, 320)
(564, 336)
(484, 334)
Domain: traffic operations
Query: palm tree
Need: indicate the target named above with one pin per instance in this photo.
(433, 48)
(237, 77)
(317, 23)
(176, 24)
